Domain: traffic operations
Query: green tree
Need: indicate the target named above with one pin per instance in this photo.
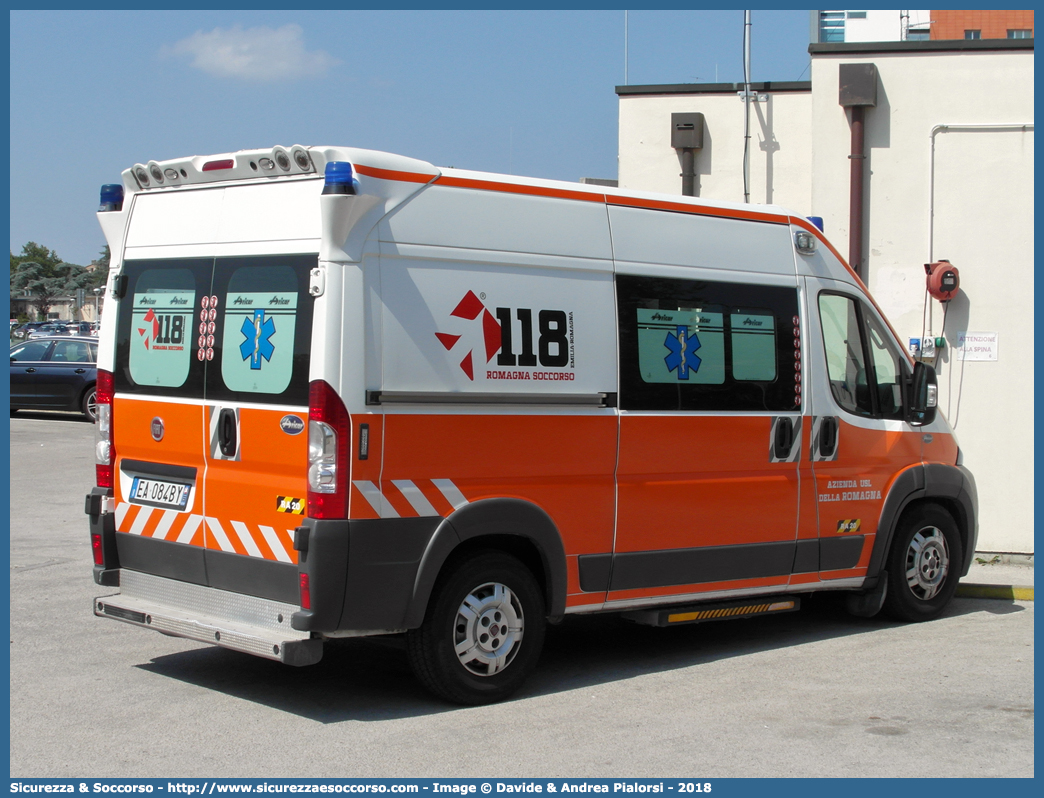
(45, 276)
(99, 268)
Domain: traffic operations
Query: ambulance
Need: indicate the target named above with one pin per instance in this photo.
(346, 393)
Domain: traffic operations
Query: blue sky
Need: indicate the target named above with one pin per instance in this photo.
(519, 92)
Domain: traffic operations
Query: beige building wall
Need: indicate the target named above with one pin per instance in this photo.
(979, 216)
(983, 224)
(780, 158)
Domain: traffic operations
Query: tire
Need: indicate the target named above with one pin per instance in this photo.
(924, 564)
(473, 604)
(89, 404)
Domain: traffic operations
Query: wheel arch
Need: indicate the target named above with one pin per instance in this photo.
(513, 526)
(951, 487)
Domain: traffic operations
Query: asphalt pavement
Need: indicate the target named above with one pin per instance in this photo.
(812, 693)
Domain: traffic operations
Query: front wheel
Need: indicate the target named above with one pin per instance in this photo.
(923, 564)
(482, 633)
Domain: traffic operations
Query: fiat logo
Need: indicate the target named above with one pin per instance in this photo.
(157, 429)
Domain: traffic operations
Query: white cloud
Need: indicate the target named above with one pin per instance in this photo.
(257, 54)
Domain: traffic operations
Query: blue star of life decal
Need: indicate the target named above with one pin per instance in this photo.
(258, 332)
(683, 352)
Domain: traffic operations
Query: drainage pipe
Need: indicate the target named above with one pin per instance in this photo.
(855, 202)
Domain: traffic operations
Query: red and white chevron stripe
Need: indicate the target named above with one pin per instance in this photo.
(417, 498)
(254, 540)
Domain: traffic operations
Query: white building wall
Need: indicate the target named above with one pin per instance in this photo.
(780, 158)
(983, 223)
(879, 25)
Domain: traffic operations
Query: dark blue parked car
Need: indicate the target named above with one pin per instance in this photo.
(55, 374)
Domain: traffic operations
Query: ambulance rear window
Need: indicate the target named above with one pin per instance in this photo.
(160, 327)
(260, 318)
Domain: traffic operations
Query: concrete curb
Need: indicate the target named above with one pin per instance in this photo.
(1015, 592)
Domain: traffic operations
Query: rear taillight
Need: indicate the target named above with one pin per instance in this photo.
(96, 548)
(329, 431)
(306, 593)
(104, 451)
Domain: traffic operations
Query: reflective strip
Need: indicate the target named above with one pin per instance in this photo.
(275, 543)
(144, 513)
(373, 495)
(418, 501)
(451, 492)
(220, 536)
(245, 538)
(191, 525)
(165, 523)
(121, 513)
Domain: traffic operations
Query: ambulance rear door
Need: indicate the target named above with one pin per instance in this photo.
(256, 342)
(210, 419)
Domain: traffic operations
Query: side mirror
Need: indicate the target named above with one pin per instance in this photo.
(923, 397)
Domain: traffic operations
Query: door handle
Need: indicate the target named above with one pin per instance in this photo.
(80, 371)
(30, 371)
(784, 441)
(226, 430)
(828, 436)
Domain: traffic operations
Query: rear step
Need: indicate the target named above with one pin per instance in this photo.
(721, 611)
(242, 623)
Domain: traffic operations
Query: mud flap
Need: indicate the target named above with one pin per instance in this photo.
(868, 604)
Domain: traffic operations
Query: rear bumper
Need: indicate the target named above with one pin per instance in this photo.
(231, 620)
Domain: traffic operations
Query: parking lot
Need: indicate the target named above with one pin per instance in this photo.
(814, 693)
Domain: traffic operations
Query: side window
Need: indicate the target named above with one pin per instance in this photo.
(31, 350)
(846, 365)
(698, 345)
(71, 352)
(888, 373)
(865, 371)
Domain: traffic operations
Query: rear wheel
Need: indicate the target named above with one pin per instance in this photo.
(923, 564)
(89, 404)
(483, 630)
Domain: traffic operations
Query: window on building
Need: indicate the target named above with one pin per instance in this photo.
(857, 15)
(831, 26)
(1020, 34)
(973, 34)
(918, 35)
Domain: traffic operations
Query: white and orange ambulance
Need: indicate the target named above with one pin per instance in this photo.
(346, 393)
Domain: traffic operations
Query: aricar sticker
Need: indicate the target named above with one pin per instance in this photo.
(160, 336)
(686, 345)
(258, 341)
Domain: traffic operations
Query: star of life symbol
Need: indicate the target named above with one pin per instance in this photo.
(470, 308)
(682, 352)
(258, 332)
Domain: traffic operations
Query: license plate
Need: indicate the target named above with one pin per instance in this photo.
(159, 493)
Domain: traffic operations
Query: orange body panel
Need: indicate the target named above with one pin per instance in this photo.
(689, 480)
(246, 493)
(853, 487)
(563, 464)
(182, 443)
